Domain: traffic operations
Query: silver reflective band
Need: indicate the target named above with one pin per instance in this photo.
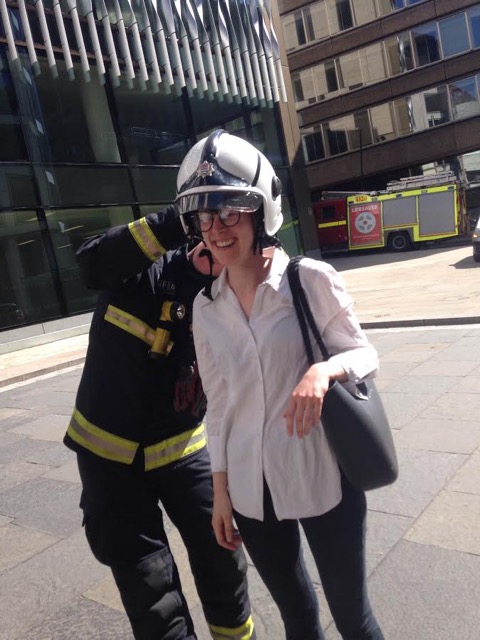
(242, 201)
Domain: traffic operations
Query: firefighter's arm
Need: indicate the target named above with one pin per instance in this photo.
(122, 252)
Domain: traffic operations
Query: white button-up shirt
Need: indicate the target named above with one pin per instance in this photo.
(249, 369)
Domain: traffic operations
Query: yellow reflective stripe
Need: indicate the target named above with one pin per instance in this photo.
(339, 223)
(100, 442)
(172, 449)
(146, 240)
(244, 632)
(129, 323)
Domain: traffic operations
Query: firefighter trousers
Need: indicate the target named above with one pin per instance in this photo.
(125, 529)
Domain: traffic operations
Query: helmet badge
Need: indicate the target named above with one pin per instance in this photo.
(205, 169)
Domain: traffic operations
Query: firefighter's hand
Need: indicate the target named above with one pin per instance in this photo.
(305, 406)
(222, 521)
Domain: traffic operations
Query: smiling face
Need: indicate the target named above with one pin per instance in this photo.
(230, 245)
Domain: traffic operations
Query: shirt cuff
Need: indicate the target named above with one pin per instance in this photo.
(358, 365)
(218, 459)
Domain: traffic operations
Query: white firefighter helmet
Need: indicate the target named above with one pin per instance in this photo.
(223, 171)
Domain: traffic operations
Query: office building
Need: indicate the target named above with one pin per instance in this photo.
(384, 89)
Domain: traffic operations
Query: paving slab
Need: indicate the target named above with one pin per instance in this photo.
(422, 475)
(422, 592)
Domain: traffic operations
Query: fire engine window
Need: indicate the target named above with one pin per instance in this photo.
(328, 213)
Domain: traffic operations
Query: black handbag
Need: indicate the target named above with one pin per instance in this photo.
(356, 426)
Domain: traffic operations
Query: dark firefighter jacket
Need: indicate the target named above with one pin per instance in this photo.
(126, 400)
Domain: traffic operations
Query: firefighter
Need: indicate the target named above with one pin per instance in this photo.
(139, 438)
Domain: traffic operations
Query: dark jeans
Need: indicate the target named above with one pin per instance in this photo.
(125, 530)
(337, 541)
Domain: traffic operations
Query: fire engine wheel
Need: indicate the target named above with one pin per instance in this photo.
(399, 241)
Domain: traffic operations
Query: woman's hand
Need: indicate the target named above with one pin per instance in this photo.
(305, 406)
(222, 518)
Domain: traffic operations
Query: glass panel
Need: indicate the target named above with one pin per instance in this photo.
(387, 6)
(65, 120)
(404, 119)
(293, 31)
(27, 293)
(364, 11)
(474, 21)
(17, 186)
(13, 146)
(317, 20)
(349, 71)
(464, 98)
(429, 108)
(84, 184)
(304, 88)
(399, 53)
(331, 76)
(382, 123)
(372, 63)
(339, 15)
(336, 136)
(68, 229)
(454, 35)
(359, 125)
(155, 183)
(152, 125)
(313, 146)
(425, 39)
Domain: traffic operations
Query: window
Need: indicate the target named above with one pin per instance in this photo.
(387, 6)
(372, 63)
(425, 39)
(364, 11)
(464, 98)
(454, 35)
(313, 146)
(293, 30)
(68, 229)
(13, 146)
(339, 15)
(474, 21)
(303, 88)
(399, 54)
(25, 274)
(382, 123)
(336, 136)
(316, 21)
(350, 74)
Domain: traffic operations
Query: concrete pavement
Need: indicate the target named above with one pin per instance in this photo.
(423, 542)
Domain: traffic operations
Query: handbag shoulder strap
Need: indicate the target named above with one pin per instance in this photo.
(303, 311)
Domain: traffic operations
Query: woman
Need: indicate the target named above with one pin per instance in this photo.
(272, 465)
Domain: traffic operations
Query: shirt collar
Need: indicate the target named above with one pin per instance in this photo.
(277, 268)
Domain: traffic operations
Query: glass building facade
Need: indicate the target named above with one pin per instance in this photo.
(98, 106)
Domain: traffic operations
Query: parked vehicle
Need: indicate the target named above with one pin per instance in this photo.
(476, 242)
(11, 315)
(409, 212)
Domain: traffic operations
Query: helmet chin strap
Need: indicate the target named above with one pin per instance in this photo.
(207, 292)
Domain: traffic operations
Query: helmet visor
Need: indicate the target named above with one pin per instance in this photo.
(241, 201)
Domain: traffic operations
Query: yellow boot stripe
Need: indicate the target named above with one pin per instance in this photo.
(244, 632)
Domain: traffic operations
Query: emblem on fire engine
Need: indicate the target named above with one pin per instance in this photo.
(205, 169)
